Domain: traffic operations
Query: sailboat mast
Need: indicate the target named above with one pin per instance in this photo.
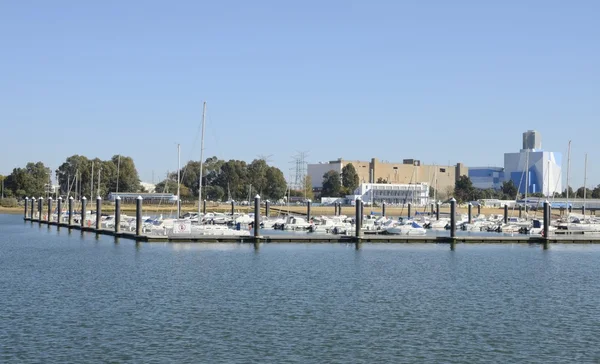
(92, 182)
(548, 177)
(526, 177)
(436, 185)
(201, 162)
(178, 180)
(568, 172)
(584, 181)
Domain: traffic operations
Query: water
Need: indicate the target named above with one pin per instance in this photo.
(74, 298)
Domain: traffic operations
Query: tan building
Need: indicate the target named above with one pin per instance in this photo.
(409, 171)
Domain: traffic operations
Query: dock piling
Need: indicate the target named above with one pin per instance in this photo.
(409, 210)
(256, 217)
(478, 209)
(26, 206)
(453, 218)
(204, 207)
(232, 207)
(547, 217)
(83, 211)
(32, 208)
(98, 211)
(383, 208)
(357, 218)
(70, 210)
(59, 211)
(40, 208)
(470, 207)
(117, 214)
(520, 211)
(267, 208)
(437, 211)
(506, 213)
(138, 216)
(308, 203)
(49, 219)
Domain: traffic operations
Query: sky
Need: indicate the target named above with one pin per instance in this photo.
(439, 81)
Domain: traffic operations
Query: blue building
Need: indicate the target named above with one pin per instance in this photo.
(486, 177)
(532, 169)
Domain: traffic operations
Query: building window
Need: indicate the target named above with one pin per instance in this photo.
(443, 170)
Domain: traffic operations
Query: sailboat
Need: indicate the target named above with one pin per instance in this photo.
(187, 228)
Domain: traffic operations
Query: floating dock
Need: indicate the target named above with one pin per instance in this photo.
(320, 238)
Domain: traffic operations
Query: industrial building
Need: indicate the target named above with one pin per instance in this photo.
(487, 177)
(394, 194)
(531, 169)
(410, 171)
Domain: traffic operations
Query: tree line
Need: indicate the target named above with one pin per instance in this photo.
(75, 174)
(228, 180)
(464, 191)
(233, 179)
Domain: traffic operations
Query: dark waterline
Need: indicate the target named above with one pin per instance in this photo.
(72, 297)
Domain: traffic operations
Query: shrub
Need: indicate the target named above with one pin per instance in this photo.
(9, 202)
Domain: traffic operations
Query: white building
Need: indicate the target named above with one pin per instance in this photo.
(533, 169)
(396, 194)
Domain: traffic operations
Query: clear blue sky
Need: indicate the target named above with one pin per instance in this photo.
(440, 81)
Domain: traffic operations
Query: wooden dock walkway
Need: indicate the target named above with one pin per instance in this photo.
(316, 238)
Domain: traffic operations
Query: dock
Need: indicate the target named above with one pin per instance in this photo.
(321, 238)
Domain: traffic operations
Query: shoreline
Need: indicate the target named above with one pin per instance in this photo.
(282, 210)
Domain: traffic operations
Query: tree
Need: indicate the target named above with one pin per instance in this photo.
(257, 174)
(214, 193)
(331, 184)
(129, 180)
(579, 193)
(76, 167)
(29, 181)
(464, 190)
(509, 190)
(564, 193)
(276, 184)
(431, 191)
(308, 188)
(381, 180)
(170, 186)
(596, 192)
(349, 177)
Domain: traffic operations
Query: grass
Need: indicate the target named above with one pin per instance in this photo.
(275, 210)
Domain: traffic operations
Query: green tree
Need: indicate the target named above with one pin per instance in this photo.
(234, 179)
(464, 190)
(509, 190)
(308, 188)
(331, 184)
(214, 193)
(29, 181)
(381, 180)
(76, 167)
(564, 193)
(596, 192)
(431, 191)
(579, 193)
(349, 177)
(257, 175)
(276, 184)
(129, 180)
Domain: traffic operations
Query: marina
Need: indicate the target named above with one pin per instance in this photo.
(218, 227)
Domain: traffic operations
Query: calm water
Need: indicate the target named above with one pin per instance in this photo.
(74, 298)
